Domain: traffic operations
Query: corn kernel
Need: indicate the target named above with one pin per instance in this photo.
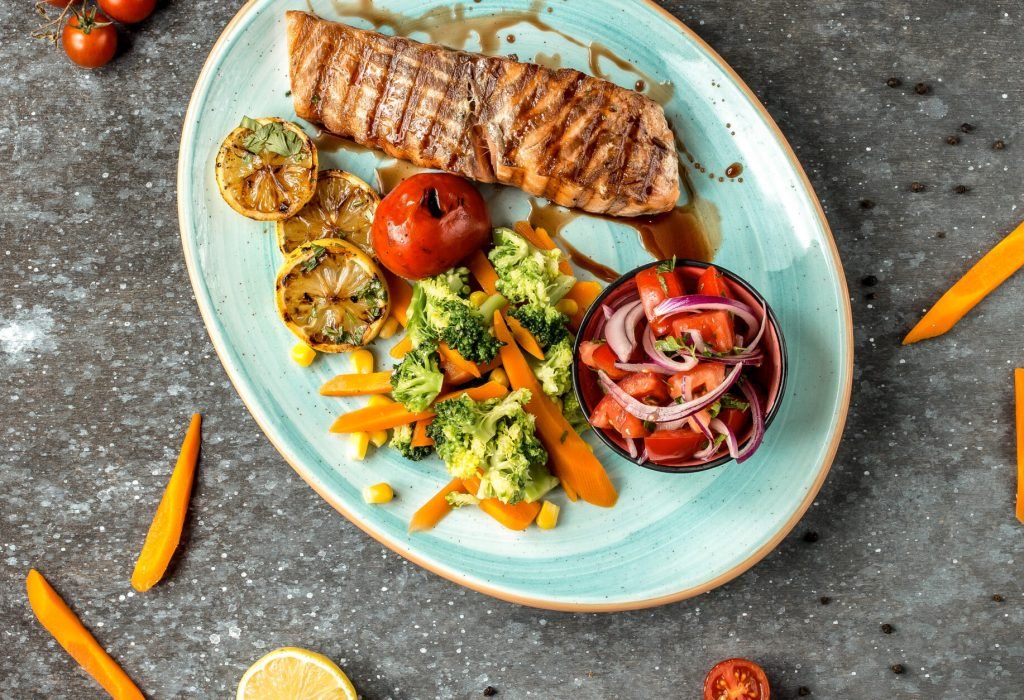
(389, 328)
(379, 437)
(362, 361)
(500, 376)
(378, 493)
(547, 518)
(478, 298)
(379, 400)
(360, 443)
(302, 354)
(569, 307)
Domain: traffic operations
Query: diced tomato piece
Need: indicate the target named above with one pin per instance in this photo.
(601, 415)
(735, 419)
(665, 445)
(712, 282)
(655, 287)
(646, 387)
(608, 414)
(601, 356)
(703, 378)
(716, 328)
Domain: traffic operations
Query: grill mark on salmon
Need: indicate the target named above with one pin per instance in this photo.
(574, 139)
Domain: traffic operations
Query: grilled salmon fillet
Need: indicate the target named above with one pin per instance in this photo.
(559, 134)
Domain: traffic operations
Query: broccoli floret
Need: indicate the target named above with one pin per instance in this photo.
(401, 441)
(546, 323)
(417, 380)
(554, 372)
(457, 499)
(573, 412)
(527, 274)
(440, 310)
(493, 440)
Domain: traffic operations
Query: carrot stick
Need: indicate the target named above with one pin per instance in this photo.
(571, 459)
(483, 271)
(419, 433)
(358, 384)
(453, 376)
(433, 511)
(165, 530)
(1018, 375)
(584, 293)
(452, 355)
(399, 349)
(525, 338)
(401, 294)
(391, 416)
(517, 517)
(569, 493)
(58, 619)
(987, 274)
(540, 239)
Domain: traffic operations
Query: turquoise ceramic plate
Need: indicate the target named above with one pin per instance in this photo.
(669, 537)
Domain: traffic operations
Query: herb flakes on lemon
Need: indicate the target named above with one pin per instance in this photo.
(343, 207)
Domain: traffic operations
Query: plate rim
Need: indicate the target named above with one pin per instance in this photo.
(453, 576)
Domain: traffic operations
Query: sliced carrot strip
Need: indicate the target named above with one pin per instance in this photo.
(358, 384)
(540, 239)
(987, 274)
(483, 271)
(58, 619)
(525, 338)
(569, 493)
(419, 433)
(453, 376)
(393, 415)
(169, 520)
(571, 459)
(584, 293)
(401, 294)
(399, 349)
(517, 517)
(1018, 376)
(452, 356)
(433, 511)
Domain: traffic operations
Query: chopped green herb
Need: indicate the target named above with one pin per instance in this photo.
(318, 253)
(315, 99)
(667, 265)
(565, 434)
(730, 401)
(272, 136)
(288, 94)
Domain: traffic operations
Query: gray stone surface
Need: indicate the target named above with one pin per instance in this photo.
(103, 355)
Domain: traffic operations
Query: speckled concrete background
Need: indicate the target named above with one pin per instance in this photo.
(103, 356)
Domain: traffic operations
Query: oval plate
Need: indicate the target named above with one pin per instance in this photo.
(669, 537)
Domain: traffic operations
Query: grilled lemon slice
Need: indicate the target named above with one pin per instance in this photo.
(267, 169)
(292, 673)
(332, 295)
(343, 207)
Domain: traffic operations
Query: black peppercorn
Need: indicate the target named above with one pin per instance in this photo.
(810, 536)
(898, 669)
(916, 187)
(894, 82)
(999, 146)
(961, 189)
(888, 629)
(870, 296)
(966, 128)
(803, 691)
(953, 140)
(869, 281)
(867, 204)
(490, 691)
(998, 598)
(825, 600)
(940, 234)
(922, 88)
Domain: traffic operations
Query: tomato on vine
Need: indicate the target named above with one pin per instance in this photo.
(128, 11)
(89, 39)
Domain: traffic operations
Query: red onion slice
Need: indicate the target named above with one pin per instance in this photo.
(704, 302)
(664, 360)
(664, 414)
(698, 340)
(705, 454)
(631, 447)
(758, 413)
(730, 437)
(643, 456)
(621, 330)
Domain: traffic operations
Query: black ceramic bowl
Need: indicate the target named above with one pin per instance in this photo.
(769, 379)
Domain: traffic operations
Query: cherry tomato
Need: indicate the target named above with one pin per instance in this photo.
(609, 414)
(712, 282)
(601, 356)
(736, 679)
(89, 39)
(646, 387)
(429, 223)
(716, 328)
(128, 11)
(655, 286)
(670, 445)
(706, 376)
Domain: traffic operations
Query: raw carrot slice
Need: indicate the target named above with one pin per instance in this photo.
(525, 338)
(517, 517)
(419, 433)
(433, 511)
(358, 384)
(569, 493)
(571, 459)
(399, 349)
(393, 415)
(452, 356)
(165, 530)
(483, 271)
(987, 274)
(401, 295)
(1018, 376)
(58, 619)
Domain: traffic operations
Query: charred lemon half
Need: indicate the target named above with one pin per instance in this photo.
(343, 207)
(332, 295)
(267, 169)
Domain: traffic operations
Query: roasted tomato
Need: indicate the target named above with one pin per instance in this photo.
(655, 285)
(428, 224)
(601, 356)
(736, 679)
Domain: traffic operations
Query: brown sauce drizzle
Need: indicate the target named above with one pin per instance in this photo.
(391, 172)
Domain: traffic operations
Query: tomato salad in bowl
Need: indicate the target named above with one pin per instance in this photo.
(681, 366)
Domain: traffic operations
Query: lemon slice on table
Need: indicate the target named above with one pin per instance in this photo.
(267, 169)
(343, 207)
(332, 295)
(291, 673)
